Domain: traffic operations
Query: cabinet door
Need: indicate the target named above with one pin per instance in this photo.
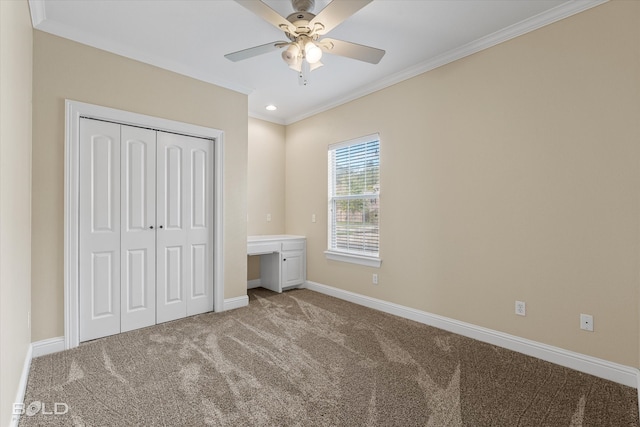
(292, 268)
(138, 232)
(99, 237)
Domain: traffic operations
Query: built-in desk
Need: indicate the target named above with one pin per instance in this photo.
(283, 260)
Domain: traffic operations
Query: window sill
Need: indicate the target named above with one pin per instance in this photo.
(369, 261)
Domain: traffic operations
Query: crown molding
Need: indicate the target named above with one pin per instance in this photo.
(38, 12)
(565, 10)
(266, 118)
(85, 38)
(550, 16)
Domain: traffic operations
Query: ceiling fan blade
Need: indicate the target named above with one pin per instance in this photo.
(255, 51)
(335, 13)
(268, 14)
(351, 50)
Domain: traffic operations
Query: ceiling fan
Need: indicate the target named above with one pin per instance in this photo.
(304, 30)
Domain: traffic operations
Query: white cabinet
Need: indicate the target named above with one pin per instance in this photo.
(292, 268)
(292, 258)
(283, 260)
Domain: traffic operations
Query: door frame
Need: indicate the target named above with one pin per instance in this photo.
(74, 110)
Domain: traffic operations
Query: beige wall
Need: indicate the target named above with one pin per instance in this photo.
(65, 69)
(512, 174)
(265, 173)
(16, 41)
(266, 184)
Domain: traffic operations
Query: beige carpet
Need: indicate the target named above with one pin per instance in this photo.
(306, 359)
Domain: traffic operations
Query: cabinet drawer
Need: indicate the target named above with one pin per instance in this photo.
(293, 246)
(262, 248)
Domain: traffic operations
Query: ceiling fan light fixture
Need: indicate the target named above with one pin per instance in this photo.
(296, 65)
(312, 53)
(291, 54)
(315, 66)
(304, 30)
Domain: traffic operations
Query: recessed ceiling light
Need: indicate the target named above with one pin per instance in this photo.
(271, 107)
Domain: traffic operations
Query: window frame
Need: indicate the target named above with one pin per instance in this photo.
(335, 254)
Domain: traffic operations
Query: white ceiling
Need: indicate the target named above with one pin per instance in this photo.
(191, 37)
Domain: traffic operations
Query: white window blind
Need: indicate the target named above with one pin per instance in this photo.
(354, 189)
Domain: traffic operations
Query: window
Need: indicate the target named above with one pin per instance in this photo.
(354, 189)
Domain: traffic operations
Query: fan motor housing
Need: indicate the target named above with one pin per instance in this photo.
(301, 21)
(300, 16)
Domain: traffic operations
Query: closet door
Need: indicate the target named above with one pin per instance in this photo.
(200, 226)
(172, 271)
(185, 231)
(99, 239)
(138, 232)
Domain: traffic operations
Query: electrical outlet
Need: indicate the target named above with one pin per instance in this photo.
(375, 279)
(586, 322)
(313, 218)
(521, 309)
(268, 217)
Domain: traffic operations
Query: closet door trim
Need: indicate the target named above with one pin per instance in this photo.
(74, 110)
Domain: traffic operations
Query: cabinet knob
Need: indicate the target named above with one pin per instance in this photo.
(284, 259)
(160, 226)
(151, 227)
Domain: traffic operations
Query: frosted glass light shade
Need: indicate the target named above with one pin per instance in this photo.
(312, 53)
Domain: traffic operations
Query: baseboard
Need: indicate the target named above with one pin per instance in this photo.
(38, 348)
(48, 346)
(255, 283)
(611, 371)
(237, 302)
(22, 385)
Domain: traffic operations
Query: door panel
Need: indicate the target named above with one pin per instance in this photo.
(173, 283)
(173, 185)
(102, 303)
(199, 189)
(172, 178)
(185, 204)
(138, 233)
(292, 268)
(99, 236)
(136, 181)
(200, 232)
(198, 271)
(135, 283)
(101, 150)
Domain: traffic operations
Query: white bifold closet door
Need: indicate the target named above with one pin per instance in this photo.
(99, 243)
(184, 242)
(146, 232)
(137, 228)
